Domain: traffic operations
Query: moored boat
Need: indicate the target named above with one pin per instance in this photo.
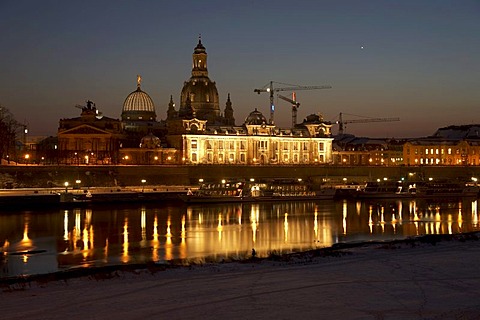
(388, 189)
(269, 190)
(418, 189)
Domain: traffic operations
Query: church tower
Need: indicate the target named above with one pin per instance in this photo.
(228, 113)
(171, 112)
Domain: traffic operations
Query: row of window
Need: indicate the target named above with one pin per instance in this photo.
(431, 151)
(221, 158)
(263, 145)
(449, 161)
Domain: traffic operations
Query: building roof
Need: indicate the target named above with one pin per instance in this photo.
(138, 100)
(471, 131)
(255, 118)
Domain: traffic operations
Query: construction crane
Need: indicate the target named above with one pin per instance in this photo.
(341, 123)
(292, 87)
(295, 106)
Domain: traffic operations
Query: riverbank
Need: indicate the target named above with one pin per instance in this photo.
(64, 197)
(434, 277)
(47, 176)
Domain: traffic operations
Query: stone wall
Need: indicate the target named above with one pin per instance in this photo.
(51, 176)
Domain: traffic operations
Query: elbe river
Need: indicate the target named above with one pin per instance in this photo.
(50, 240)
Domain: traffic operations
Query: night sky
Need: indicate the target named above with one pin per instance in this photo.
(416, 60)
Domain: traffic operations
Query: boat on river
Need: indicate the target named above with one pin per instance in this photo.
(418, 189)
(251, 191)
(387, 189)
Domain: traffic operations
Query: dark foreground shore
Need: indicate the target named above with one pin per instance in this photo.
(429, 277)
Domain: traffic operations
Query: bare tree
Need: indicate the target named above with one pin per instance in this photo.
(8, 133)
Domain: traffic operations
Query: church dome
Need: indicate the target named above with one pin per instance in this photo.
(203, 97)
(200, 93)
(150, 142)
(138, 100)
(138, 105)
(255, 118)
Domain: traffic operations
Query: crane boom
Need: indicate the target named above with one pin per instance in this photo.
(341, 123)
(288, 100)
(295, 106)
(271, 89)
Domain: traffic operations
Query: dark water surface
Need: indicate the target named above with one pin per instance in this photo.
(44, 241)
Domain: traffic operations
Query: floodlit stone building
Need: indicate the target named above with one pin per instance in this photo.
(257, 143)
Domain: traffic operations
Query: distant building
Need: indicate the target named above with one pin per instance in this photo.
(197, 133)
(257, 143)
(449, 146)
(89, 139)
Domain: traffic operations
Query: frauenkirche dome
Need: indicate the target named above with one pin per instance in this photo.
(199, 92)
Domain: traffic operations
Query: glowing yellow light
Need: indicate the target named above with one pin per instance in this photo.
(285, 227)
(125, 257)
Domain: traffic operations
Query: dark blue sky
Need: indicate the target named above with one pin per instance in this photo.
(420, 60)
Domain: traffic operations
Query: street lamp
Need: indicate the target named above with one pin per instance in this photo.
(143, 184)
(66, 186)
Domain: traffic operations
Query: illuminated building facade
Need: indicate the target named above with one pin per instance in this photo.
(442, 153)
(257, 143)
(449, 146)
(349, 150)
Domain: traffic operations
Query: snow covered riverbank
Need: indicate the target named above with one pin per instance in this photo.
(432, 277)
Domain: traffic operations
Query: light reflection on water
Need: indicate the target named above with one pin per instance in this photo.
(37, 242)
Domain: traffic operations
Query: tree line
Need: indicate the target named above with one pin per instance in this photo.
(9, 128)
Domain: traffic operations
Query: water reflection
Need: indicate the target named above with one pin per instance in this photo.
(48, 241)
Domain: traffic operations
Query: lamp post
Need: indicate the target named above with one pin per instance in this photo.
(66, 186)
(143, 184)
